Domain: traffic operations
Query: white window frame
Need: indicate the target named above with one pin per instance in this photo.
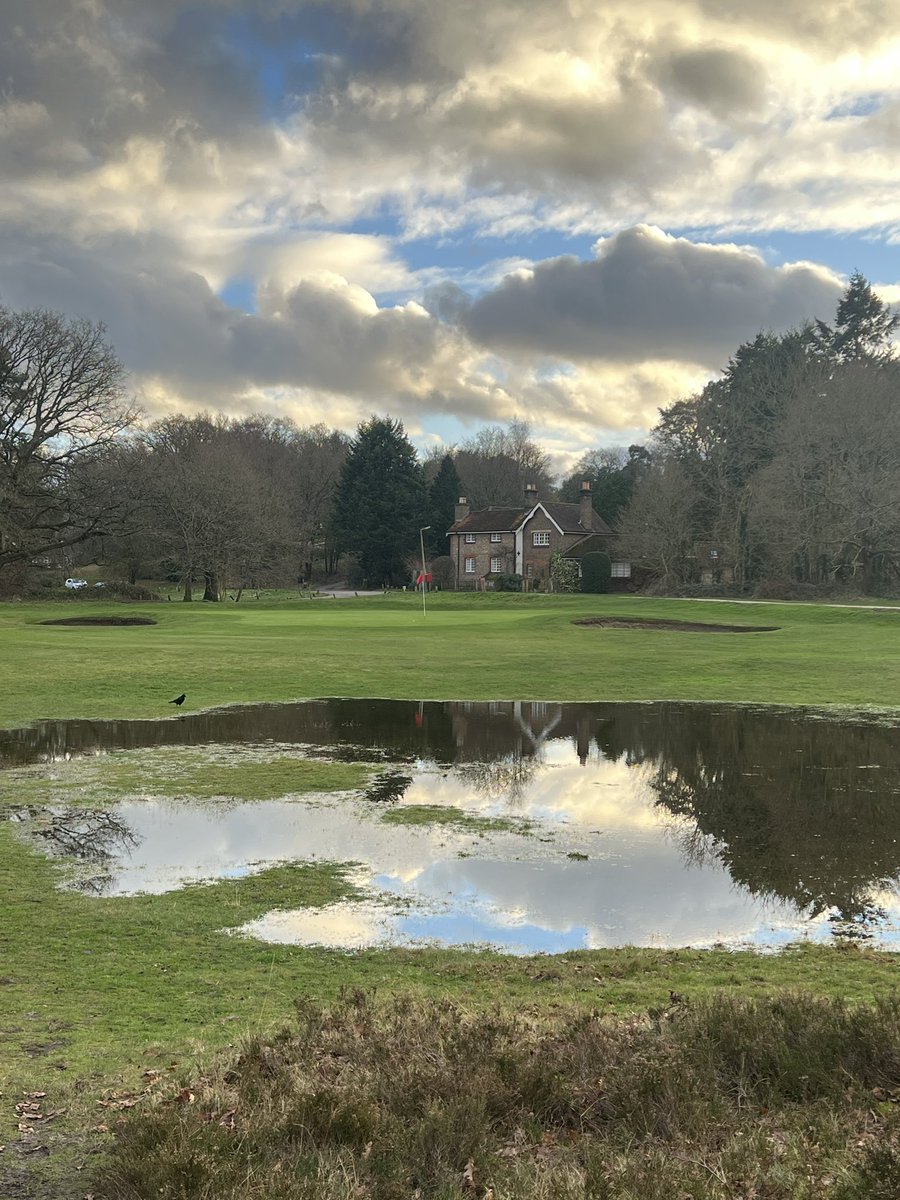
(496, 537)
(469, 566)
(540, 537)
(496, 565)
(620, 570)
(470, 539)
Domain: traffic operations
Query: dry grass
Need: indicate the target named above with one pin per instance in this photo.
(727, 1098)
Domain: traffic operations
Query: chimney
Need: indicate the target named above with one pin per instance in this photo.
(585, 516)
(531, 495)
(461, 511)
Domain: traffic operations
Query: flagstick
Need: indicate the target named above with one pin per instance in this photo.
(422, 548)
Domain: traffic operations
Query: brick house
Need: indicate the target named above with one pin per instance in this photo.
(505, 541)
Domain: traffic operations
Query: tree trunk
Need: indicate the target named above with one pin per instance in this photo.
(211, 591)
(188, 591)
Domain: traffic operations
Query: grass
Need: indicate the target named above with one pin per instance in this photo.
(729, 1097)
(469, 647)
(444, 814)
(189, 771)
(96, 992)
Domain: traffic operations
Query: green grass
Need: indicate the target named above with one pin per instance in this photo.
(93, 992)
(729, 1097)
(468, 647)
(443, 814)
(191, 771)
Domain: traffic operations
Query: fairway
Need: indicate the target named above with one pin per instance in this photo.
(146, 984)
(469, 647)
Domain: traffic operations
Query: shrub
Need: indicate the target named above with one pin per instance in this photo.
(596, 572)
(443, 570)
(509, 582)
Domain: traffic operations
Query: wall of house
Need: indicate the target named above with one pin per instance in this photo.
(483, 550)
(537, 558)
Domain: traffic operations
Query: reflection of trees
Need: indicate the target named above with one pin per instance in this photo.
(94, 837)
(784, 802)
(792, 808)
(505, 779)
(388, 787)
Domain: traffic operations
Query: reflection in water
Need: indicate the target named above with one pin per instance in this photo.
(698, 822)
(95, 839)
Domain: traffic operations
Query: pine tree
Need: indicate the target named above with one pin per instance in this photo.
(381, 501)
(863, 326)
(442, 497)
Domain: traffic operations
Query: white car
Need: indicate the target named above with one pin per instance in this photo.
(76, 583)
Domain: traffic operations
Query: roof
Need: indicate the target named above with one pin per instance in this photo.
(491, 520)
(587, 545)
(568, 518)
(506, 520)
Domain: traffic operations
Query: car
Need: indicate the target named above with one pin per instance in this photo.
(76, 583)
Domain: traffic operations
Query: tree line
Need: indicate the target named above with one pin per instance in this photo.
(784, 472)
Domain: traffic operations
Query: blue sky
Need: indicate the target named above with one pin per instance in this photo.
(362, 205)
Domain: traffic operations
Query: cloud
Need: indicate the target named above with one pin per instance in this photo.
(648, 296)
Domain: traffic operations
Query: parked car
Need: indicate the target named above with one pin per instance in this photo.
(76, 583)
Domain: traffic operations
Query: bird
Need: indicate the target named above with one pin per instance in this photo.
(179, 700)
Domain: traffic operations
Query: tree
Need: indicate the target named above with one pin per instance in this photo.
(496, 464)
(381, 501)
(443, 494)
(63, 404)
(659, 528)
(612, 473)
(863, 327)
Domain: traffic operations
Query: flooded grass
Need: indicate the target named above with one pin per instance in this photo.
(439, 814)
(199, 772)
(722, 1098)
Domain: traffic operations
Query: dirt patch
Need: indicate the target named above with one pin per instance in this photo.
(671, 626)
(101, 621)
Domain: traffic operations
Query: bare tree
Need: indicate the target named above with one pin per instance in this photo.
(658, 528)
(63, 404)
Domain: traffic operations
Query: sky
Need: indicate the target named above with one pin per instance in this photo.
(457, 212)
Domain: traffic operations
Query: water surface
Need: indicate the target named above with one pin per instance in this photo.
(644, 824)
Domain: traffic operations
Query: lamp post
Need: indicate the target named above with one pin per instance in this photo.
(422, 531)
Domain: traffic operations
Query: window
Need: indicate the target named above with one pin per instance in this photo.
(496, 566)
(470, 538)
(620, 570)
(470, 566)
(496, 537)
(541, 537)
(529, 571)
(713, 554)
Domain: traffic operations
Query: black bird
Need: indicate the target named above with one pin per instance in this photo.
(179, 700)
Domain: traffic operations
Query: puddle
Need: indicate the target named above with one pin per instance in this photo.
(531, 827)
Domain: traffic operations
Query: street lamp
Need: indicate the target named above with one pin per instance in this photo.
(422, 530)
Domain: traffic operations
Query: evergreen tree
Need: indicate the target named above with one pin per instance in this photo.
(381, 501)
(863, 326)
(443, 494)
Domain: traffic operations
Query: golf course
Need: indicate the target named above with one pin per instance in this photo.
(113, 1004)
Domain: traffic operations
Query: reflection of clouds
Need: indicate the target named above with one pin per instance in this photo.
(600, 794)
(519, 893)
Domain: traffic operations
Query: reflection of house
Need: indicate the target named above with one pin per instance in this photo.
(520, 541)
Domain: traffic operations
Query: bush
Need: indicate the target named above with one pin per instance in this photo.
(443, 571)
(596, 572)
(792, 589)
(508, 582)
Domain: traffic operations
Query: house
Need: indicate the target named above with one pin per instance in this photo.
(520, 541)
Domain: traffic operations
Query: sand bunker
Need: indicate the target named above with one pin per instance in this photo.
(101, 621)
(671, 626)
